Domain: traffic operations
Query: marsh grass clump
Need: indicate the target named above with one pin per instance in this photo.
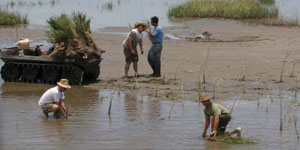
(64, 28)
(231, 140)
(12, 18)
(267, 1)
(236, 9)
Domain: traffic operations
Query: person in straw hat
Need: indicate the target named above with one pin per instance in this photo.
(218, 116)
(53, 99)
(130, 47)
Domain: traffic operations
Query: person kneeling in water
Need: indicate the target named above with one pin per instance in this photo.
(53, 99)
(219, 117)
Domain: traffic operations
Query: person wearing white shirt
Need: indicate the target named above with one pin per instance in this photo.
(53, 99)
(130, 47)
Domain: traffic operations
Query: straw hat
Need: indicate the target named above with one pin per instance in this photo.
(23, 43)
(64, 83)
(204, 98)
(137, 24)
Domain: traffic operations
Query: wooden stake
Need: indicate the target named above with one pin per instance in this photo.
(110, 103)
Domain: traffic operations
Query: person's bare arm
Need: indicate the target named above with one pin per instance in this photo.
(141, 46)
(215, 124)
(206, 125)
(130, 45)
(150, 34)
(62, 106)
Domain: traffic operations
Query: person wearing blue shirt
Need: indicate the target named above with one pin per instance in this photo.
(154, 55)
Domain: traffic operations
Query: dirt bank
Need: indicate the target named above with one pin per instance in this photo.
(265, 45)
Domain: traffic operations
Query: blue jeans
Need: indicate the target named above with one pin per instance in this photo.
(154, 58)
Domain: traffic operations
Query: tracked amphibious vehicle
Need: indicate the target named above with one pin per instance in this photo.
(45, 69)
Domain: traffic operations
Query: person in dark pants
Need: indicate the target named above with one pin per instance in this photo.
(154, 55)
(219, 117)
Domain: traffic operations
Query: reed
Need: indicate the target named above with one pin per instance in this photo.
(110, 103)
(296, 128)
(176, 98)
(295, 88)
(233, 105)
(199, 84)
(245, 66)
(205, 65)
(284, 61)
(175, 76)
(293, 68)
(171, 110)
(156, 90)
(258, 97)
(164, 79)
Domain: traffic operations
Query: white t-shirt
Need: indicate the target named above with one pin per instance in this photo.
(139, 36)
(52, 95)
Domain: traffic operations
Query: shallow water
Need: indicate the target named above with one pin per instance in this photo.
(120, 13)
(104, 13)
(133, 123)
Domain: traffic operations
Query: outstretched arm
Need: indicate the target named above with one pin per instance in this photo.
(141, 46)
(63, 109)
(207, 122)
(214, 125)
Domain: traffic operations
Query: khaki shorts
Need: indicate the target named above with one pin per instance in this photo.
(46, 106)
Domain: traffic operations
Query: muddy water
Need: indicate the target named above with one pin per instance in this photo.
(134, 123)
(120, 13)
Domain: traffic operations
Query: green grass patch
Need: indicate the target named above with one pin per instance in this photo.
(231, 140)
(235, 9)
(12, 18)
(267, 1)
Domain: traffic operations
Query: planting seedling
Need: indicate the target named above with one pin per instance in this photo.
(231, 140)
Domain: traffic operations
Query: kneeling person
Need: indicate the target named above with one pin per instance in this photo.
(53, 99)
(217, 115)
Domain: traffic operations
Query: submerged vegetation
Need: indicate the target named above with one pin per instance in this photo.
(236, 9)
(231, 140)
(12, 18)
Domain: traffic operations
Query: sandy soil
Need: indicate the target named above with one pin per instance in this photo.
(265, 45)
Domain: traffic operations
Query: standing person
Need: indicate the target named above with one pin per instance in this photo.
(130, 47)
(219, 117)
(154, 55)
(53, 100)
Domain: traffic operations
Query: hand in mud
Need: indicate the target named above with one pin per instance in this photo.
(204, 134)
(212, 134)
